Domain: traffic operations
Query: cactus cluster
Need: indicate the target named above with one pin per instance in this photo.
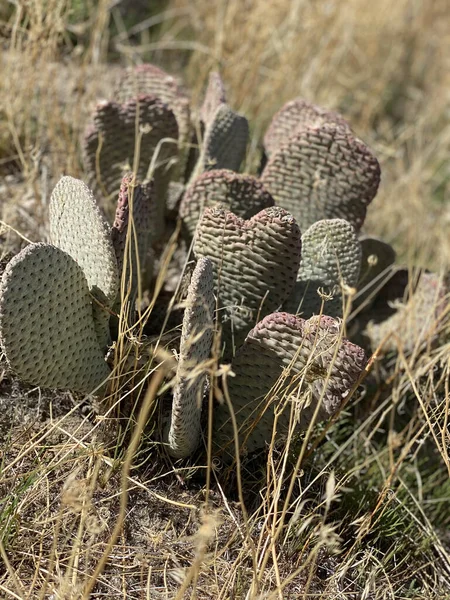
(279, 258)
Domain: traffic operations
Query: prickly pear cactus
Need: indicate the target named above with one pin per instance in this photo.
(78, 228)
(46, 326)
(56, 300)
(224, 143)
(331, 261)
(175, 193)
(195, 350)
(214, 97)
(244, 195)
(323, 172)
(149, 80)
(294, 115)
(255, 265)
(290, 367)
(118, 131)
(133, 230)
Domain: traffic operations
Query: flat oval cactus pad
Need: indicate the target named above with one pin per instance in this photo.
(287, 364)
(46, 324)
(323, 172)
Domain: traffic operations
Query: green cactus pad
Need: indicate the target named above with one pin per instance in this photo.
(255, 265)
(417, 320)
(225, 142)
(294, 115)
(287, 364)
(110, 144)
(195, 350)
(331, 260)
(323, 173)
(46, 325)
(78, 227)
(214, 97)
(142, 231)
(244, 195)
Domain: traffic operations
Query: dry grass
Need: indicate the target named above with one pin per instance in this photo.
(357, 510)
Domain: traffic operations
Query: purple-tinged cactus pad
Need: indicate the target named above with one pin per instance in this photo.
(244, 195)
(255, 264)
(418, 319)
(214, 97)
(140, 231)
(110, 144)
(142, 205)
(78, 227)
(294, 115)
(195, 350)
(287, 365)
(331, 261)
(149, 80)
(323, 172)
(46, 326)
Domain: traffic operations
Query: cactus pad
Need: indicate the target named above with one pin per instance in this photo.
(174, 195)
(224, 143)
(133, 254)
(294, 115)
(244, 195)
(78, 227)
(195, 350)
(331, 260)
(214, 97)
(149, 80)
(255, 264)
(109, 145)
(46, 324)
(287, 363)
(323, 173)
